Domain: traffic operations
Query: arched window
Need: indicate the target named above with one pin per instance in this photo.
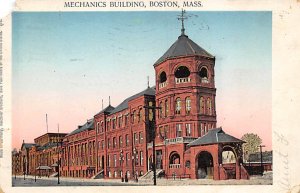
(203, 75)
(162, 77)
(178, 106)
(182, 74)
(162, 80)
(160, 110)
(208, 106)
(140, 115)
(201, 105)
(188, 105)
(98, 127)
(166, 108)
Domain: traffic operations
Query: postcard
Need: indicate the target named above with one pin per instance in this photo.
(126, 95)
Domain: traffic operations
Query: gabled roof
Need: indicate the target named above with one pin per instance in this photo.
(149, 91)
(215, 136)
(89, 125)
(183, 47)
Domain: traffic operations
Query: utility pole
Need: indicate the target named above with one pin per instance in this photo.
(152, 125)
(261, 159)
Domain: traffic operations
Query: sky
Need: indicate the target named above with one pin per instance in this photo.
(65, 63)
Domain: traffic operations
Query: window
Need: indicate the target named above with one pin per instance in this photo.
(127, 159)
(108, 143)
(126, 120)
(127, 140)
(115, 160)
(166, 108)
(162, 77)
(203, 75)
(178, 130)
(114, 123)
(120, 122)
(141, 137)
(140, 115)
(188, 129)
(108, 157)
(135, 136)
(188, 164)
(160, 110)
(182, 75)
(108, 125)
(208, 106)
(141, 158)
(120, 141)
(102, 126)
(134, 117)
(114, 142)
(98, 124)
(188, 105)
(103, 144)
(178, 106)
(201, 105)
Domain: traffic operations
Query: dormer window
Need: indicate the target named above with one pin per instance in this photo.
(204, 75)
(162, 80)
(182, 75)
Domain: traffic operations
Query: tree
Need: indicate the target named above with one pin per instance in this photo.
(252, 144)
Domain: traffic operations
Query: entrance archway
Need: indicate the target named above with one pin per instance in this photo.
(205, 168)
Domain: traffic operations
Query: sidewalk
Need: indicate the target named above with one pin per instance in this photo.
(52, 181)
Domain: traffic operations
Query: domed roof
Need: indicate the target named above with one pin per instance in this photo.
(183, 47)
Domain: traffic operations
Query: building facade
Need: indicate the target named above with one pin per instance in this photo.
(178, 113)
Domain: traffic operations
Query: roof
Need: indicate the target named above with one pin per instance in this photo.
(149, 91)
(107, 109)
(47, 146)
(27, 145)
(215, 136)
(183, 47)
(89, 125)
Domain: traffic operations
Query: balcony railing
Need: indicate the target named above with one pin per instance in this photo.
(162, 85)
(182, 80)
(179, 140)
(204, 80)
(174, 166)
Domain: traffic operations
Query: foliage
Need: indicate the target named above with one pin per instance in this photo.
(252, 144)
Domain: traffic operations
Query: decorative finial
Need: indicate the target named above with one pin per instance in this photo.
(182, 17)
(148, 81)
(109, 100)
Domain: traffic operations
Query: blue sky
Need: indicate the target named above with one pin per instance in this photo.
(64, 63)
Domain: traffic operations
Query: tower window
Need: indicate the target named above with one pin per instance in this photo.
(188, 105)
(182, 75)
(162, 80)
(162, 77)
(178, 106)
(204, 75)
(201, 105)
(208, 106)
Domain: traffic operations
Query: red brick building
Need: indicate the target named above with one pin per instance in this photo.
(117, 141)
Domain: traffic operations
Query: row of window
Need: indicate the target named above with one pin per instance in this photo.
(181, 75)
(205, 107)
(115, 160)
(121, 121)
(138, 138)
(119, 174)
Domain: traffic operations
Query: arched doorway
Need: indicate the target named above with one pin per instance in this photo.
(174, 160)
(229, 161)
(205, 166)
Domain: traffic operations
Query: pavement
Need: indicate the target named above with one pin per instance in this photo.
(29, 181)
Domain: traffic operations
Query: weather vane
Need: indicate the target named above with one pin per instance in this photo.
(182, 17)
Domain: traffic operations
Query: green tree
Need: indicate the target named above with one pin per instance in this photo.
(251, 146)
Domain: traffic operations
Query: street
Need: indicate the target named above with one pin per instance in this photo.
(52, 181)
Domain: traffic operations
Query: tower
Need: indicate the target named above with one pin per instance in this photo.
(185, 93)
